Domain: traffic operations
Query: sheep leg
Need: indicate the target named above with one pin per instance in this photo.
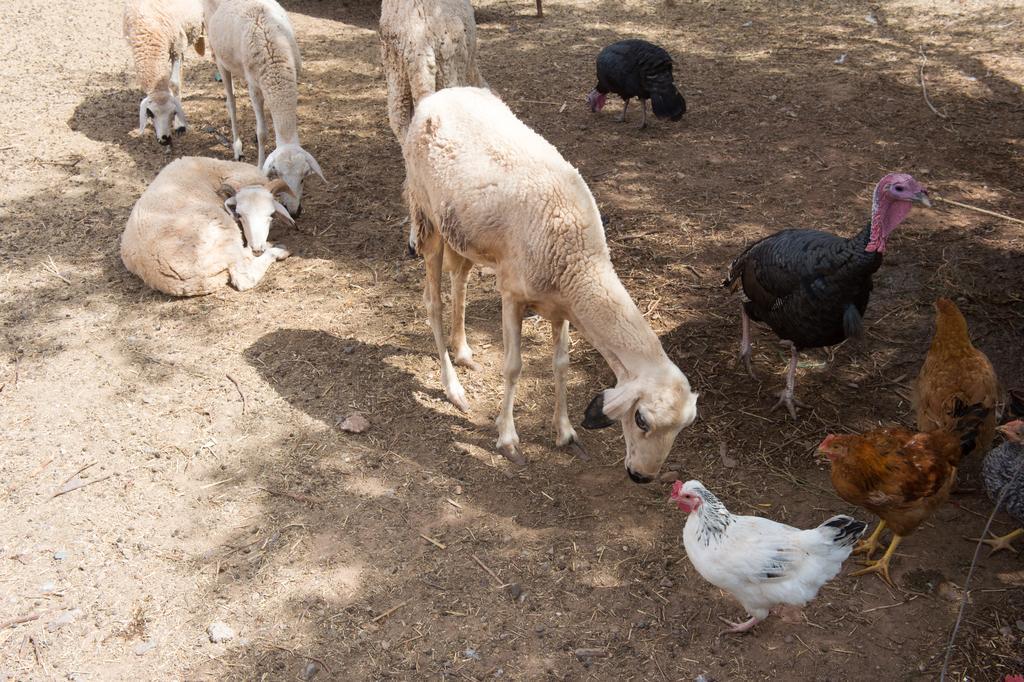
(460, 269)
(176, 76)
(511, 332)
(625, 105)
(256, 95)
(248, 270)
(179, 124)
(564, 433)
(400, 107)
(236, 142)
(433, 258)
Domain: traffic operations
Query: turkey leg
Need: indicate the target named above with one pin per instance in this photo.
(745, 347)
(786, 395)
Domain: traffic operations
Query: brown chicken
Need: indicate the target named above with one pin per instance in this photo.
(955, 370)
(900, 475)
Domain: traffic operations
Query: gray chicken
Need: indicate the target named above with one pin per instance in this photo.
(1003, 465)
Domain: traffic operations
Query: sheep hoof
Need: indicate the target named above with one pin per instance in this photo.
(511, 453)
(466, 360)
(457, 397)
(578, 450)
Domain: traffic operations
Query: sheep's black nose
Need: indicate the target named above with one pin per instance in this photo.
(165, 140)
(639, 478)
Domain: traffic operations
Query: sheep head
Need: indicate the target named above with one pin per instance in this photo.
(292, 163)
(254, 207)
(164, 110)
(653, 409)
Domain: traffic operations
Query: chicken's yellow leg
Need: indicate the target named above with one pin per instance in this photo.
(869, 546)
(881, 567)
(1000, 542)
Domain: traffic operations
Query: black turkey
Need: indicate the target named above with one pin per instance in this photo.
(637, 68)
(812, 287)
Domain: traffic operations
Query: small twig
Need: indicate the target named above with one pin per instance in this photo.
(979, 210)
(924, 90)
(663, 675)
(35, 651)
(489, 571)
(432, 541)
(306, 656)
(51, 267)
(887, 606)
(19, 620)
(215, 483)
(389, 612)
(80, 484)
(813, 652)
(64, 482)
(453, 503)
(293, 496)
(238, 387)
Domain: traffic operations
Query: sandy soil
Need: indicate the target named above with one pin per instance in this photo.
(310, 542)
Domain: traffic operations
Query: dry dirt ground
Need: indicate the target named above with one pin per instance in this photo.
(310, 542)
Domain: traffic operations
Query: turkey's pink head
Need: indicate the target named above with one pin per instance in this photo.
(890, 205)
(686, 499)
(595, 100)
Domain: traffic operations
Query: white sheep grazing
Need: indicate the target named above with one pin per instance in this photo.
(158, 31)
(254, 38)
(482, 182)
(427, 45)
(182, 237)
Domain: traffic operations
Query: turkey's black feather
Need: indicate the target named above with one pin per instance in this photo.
(637, 68)
(810, 287)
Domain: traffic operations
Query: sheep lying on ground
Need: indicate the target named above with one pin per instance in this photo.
(254, 38)
(480, 181)
(158, 31)
(182, 237)
(427, 45)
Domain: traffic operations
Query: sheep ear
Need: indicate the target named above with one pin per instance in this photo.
(619, 400)
(226, 190)
(594, 417)
(314, 165)
(229, 206)
(142, 114)
(283, 212)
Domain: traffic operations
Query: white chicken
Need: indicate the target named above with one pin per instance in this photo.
(758, 561)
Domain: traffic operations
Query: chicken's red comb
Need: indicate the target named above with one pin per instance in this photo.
(1014, 678)
(828, 440)
(677, 488)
